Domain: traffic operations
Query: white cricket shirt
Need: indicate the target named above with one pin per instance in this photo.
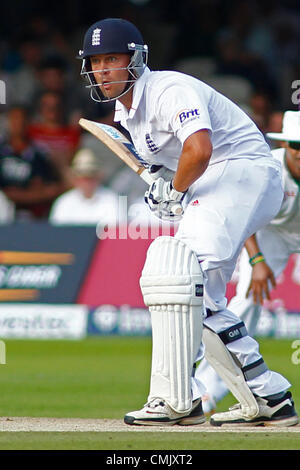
(72, 208)
(288, 218)
(169, 106)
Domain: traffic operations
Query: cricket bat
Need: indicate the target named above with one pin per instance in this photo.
(124, 149)
(120, 145)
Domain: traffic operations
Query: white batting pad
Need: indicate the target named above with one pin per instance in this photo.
(221, 360)
(172, 286)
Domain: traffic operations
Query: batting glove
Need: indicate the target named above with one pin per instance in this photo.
(161, 171)
(164, 201)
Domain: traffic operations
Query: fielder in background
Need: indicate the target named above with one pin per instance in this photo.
(266, 253)
(229, 186)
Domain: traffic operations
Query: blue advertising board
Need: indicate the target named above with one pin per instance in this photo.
(41, 263)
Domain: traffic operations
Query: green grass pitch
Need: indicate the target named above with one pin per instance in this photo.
(105, 377)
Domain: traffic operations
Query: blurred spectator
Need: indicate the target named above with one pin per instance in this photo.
(57, 75)
(88, 203)
(51, 132)
(111, 165)
(286, 35)
(127, 183)
(235, 55)
(53, 77)
(233, 59)
(27, 176)
(24, 80)
(275, 123)
(260, 106)
(197, 23)
(257, 40)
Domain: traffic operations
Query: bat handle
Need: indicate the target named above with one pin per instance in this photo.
(146, 176)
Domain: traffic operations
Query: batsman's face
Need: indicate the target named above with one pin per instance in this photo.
(87, 184)
(110, 72)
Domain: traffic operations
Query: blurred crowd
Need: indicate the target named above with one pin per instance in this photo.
(50, 168)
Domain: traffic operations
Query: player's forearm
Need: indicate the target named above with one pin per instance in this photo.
(251, 246)
(193, 161)
(188, 171)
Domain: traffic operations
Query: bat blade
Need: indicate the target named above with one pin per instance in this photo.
(124, 149)
(119, 144)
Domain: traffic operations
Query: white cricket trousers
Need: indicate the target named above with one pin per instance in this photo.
(276, 243)
(231, 201)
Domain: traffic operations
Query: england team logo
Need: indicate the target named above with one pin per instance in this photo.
(150, 144)
(96, 37)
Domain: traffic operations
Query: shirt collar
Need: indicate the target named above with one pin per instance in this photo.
(121, 112)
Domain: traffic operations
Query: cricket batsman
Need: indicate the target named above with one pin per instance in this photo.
(267, 252)
(210, 158)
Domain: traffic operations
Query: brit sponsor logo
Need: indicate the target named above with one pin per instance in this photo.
(188, 114)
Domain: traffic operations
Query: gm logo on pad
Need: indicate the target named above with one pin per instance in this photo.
(199, 290)
(188, 113)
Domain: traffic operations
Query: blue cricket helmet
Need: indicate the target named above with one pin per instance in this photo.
(113, 35)
(110, 35)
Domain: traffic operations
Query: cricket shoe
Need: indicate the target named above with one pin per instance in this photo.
(158, 412)
(279, 412)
